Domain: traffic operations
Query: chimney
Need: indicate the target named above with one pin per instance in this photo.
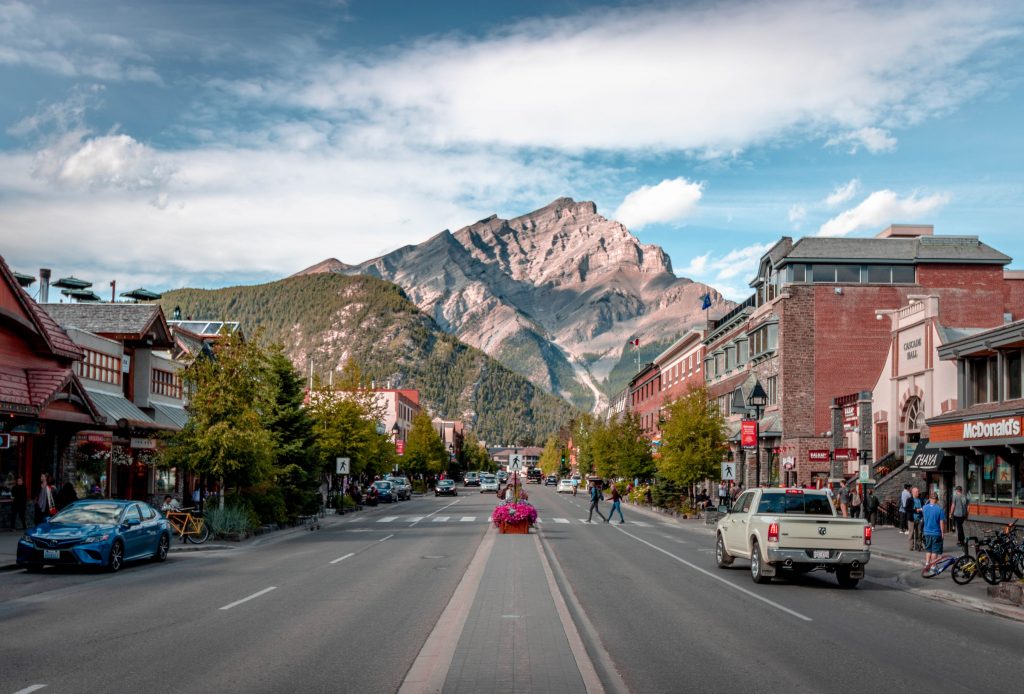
(906, 231)
(44, 285)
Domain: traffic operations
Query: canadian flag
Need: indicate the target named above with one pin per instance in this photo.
(635, 342)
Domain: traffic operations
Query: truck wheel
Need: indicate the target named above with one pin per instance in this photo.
(843, 576)
(723, 557)
(755, 565)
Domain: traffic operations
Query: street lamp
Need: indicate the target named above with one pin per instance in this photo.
(756, 401)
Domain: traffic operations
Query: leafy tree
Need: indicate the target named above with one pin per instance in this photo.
(232, 404)
(582, 430)
(425, 452)
(475, 455)
(633, 459)
(342, 429)
(692, 439)
(551, 457)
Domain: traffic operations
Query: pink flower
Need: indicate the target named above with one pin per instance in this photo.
(513, 512)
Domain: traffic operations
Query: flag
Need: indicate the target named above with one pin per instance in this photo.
(635, 342)
(705, 301)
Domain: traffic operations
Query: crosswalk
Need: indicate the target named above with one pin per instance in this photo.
(478, 519)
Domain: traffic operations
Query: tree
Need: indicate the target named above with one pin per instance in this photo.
(692, 439)
(297, 469)
(551, 457)
(425, 452)
(232, 400)
(475, 455)
(633, 459)
(343, 429)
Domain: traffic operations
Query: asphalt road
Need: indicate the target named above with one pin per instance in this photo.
(348, 608)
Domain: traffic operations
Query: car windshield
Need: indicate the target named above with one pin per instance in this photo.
(398, 480)
(84, 514)
(445, 483)
(382, 485)
(487, 478)
(811, 504)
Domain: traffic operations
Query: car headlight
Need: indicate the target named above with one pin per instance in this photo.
(28, 538)
(101, 537)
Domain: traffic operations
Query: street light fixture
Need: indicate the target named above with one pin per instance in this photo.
(757, 399)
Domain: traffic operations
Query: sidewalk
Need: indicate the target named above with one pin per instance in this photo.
(888, 543)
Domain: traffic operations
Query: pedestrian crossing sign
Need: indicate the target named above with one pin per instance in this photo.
(728, 471)
(515, 463)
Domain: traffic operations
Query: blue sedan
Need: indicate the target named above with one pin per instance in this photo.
(97, 532)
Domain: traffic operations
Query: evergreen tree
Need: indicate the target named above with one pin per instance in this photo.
(298, 472)
(425, 452)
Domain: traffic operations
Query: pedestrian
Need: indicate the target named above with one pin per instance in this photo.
(844, 499)
(66, 496)
(735, 492)
(19, 499)
(595, 499)
(914, 519)
(958, 512)
(575, 485)
(616, 506)
(723, 494)
(44, 500)
(855, 503)
(871, 507)
(933, 525)
(905, 505)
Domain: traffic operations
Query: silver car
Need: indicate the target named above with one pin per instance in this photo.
(488, 483)
(403, 490)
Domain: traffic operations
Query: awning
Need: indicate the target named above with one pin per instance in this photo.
(770, 426)
(176, 417)
(926, 457)
(732, 431)
(121, 412)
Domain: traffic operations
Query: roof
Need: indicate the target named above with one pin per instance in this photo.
(121, 319)
(57, 341)
(205, 328)
(984, 341)
(1011, 408)
(30, 391)
(173, 416)
(949, 249)
(121, 412)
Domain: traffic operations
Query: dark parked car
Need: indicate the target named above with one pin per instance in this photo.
(446, 488)
(534, 475)
(551, 480)
(386, 491)
(97, 532)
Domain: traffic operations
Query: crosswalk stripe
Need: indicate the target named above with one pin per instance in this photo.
(388, 519)
(414, 519)
(640, 524)
(467, 519)
(560, 520)
(440, 519)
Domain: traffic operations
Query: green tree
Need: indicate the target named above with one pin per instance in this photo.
(232, 404)
(297, 469)
(425, 452)
(551, 457)
(474, 453)
(632, 450)
(692, 439)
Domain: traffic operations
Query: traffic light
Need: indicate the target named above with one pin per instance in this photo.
(563, 460)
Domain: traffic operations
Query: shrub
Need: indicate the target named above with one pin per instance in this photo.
(232, 519)
(267, 503)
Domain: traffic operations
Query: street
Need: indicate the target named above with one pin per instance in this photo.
(350, 607)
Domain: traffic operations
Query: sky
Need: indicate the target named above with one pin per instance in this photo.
(206, 144)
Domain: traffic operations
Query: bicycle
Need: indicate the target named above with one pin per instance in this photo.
(936, 567)
(189, 526)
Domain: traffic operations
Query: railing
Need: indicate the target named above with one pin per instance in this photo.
(749, 303)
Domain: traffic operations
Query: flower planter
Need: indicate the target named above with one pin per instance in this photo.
(516, 528)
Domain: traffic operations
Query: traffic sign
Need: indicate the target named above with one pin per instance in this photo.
(728, 471)
(343, 466)
(515, 463)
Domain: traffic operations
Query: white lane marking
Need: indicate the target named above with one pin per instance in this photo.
(468, 519)
(251, 597)
(435, 512)
(414, 519)
(640, 524)
(560, 520)
(350, 554)
(388, 519)
(439, 519)
(32, 688)
(385, 538)
(717, 578)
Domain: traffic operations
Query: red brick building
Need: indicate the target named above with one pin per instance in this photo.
(645, 399)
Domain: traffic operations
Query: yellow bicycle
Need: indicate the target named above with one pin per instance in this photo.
(189, 526)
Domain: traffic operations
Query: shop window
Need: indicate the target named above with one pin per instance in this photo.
(996, 479)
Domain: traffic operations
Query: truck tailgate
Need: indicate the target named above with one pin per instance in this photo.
(822, 532)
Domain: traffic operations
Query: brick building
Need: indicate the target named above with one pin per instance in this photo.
(809, 332)
(645, 399)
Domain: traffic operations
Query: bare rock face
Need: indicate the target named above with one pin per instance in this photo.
(554, 294)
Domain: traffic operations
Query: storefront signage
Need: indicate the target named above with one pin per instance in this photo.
(748, 433)
(911, 345)
(845, 453)
(788, 463)
(818, 456)
(143, 443)
(400, 447)
(979, 430)
(926, 458)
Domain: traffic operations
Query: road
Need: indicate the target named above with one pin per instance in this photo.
(349, 607)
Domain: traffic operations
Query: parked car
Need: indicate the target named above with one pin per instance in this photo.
(564, 486)
(402, 487)
(550, 480)
(502, 476)
(472, 479)
(386, 491)
(446, 488)
(488, 483)
(534, 475)
(97, 532)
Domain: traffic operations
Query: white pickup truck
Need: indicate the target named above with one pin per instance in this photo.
(792, 529)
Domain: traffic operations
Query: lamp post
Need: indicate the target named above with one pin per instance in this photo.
(756, 401)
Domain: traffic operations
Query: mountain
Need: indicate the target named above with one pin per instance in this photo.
(555, 294)
(331, 317)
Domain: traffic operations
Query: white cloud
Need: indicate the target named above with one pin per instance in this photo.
(874, 140)
(729, 273)
(843, 193)
(797, 215)
(697, 266)
(669, 201)
(111, 161)
(881, 208)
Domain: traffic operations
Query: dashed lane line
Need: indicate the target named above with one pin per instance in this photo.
(255, 595)
(350, 554)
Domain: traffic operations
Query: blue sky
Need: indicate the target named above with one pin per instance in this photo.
(188, 143)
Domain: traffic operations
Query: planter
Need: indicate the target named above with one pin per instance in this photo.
(516, 528)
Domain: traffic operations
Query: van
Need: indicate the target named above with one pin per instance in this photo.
(534, 475)
(472, 479)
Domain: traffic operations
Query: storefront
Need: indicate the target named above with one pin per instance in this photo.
(938, 469)
(991, 469)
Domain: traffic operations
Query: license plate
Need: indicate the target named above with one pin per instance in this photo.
(51, 554)
(821, 554)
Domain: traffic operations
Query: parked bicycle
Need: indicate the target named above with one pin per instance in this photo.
(964, 568)
(1000, 556)
(189, 526)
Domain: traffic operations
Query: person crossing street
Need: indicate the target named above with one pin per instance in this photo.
(616, 506)
(595, 499)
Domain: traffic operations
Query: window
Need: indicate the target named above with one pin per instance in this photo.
(1012, 365)
(742, 504)
(981, 380)
(823, 273)
(848, 273)
(763, 339)
(166, 383)
(97, 366)
(879, 274)
(813, 504)
(915, 415)
(741, 351)
(991, 480)
(730, 357)
(771, 386)
(797, 273)
(903, 274)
